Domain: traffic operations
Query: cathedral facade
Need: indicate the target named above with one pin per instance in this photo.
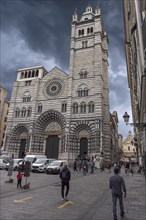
(65, 115)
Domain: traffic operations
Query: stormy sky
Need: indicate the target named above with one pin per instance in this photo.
(37, 32)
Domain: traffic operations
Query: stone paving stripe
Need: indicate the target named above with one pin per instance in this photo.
(22, 200)
(65, 204)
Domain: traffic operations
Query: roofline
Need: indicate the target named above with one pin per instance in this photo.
(33, 67)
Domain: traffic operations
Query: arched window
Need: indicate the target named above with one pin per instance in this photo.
(84, 44)
(17, 112)
(83, 73)
(29, 74)
(26, 97)
(64, 107)
(37, 73)
(22, 75)
(33, 73)
(23, 112)
(40, 107)
(82, 92)
(83, 107)
(91, 107)
(29, 112)
(25, 75)
(75, 108)
(91, 29)
(128, 148)
(85, 92)
(82, 31)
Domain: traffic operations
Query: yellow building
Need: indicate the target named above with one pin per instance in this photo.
(4, 105)
(129, 148)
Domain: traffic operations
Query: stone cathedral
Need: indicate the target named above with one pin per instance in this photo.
(65, 115)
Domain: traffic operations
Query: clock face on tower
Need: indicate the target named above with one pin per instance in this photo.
(53, 87)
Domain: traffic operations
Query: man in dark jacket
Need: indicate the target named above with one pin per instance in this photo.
(117, 185)
(65, 176)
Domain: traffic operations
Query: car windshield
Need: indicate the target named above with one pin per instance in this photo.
(42, 160)
(17, 160)
(55, 163)
(29, 159)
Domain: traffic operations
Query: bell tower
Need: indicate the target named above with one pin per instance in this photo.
(89, 72)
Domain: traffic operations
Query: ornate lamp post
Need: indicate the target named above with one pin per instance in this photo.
(141, 127)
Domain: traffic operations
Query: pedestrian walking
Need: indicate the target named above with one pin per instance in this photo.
(65, 176)
(75, 166)
(92, 166)
(109, 167)
(131, 169)
(80, 166)
(85, 167)
(127, 167)
(19, 179)
(117, 186)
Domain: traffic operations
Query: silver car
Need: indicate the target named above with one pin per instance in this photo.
(15, 165)
(40, 164)
(3, 164)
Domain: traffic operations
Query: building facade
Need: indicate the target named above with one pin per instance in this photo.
(65, 115)
(129, 148)
(116, 139)
(135, 45)
(4, 105)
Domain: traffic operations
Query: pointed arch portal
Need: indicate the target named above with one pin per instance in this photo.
(52, 146)
(83, 146)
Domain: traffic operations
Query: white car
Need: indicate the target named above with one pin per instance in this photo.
(3, 164)
(40, 164)
(56, 166)
(15, 165)
(31, 159)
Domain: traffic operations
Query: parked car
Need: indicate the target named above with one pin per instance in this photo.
(31, 158)
(15, 165)
(40, 164)
(3, 164)
(55, 167)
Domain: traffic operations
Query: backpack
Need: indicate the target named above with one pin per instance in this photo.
(64, 174)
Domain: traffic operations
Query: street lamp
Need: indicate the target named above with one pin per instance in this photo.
(140, 126)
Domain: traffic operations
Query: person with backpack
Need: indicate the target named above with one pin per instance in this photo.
(117, 186)
(65, 176)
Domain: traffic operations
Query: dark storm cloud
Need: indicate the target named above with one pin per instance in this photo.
(45, 25)
(40, 24)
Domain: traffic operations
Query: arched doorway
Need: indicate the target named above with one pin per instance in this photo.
(22, 148)
(52, 146)
(83, 146)
(23, 140)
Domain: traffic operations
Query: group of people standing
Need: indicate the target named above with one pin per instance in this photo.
(84, 166)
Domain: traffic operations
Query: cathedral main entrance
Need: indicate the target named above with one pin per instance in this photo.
(83, 146)
(22, 148)
(52, 146)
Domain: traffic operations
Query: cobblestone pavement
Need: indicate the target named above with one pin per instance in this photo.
(89, 198)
